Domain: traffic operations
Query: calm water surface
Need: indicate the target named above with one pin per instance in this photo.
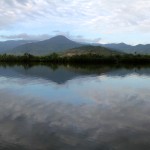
(66, 108)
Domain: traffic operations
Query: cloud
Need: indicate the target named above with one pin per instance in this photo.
(112, 13)
(25, 36)
(40, 37)
(83, 39)
(90, 18)
(78, 38)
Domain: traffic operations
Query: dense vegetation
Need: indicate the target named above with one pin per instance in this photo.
(83, 58)
(92, 50)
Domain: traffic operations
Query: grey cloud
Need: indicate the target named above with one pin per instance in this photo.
(115, 12)
(86, 40)
(25, 36)
(78, 38)
(14, 2)
(22, 1)
(94, 17)
(9, 2)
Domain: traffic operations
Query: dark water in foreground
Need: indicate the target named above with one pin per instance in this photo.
(69, 108)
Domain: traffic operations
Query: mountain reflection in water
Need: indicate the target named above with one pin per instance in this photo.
(70, 108)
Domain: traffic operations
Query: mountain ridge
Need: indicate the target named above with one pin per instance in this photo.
(61, 43)
(55, 44)
(122, 47)
(6, 46)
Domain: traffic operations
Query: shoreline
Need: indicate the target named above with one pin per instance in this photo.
(78, 59)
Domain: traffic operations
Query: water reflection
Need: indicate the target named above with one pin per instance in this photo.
(74, 108)
(61, 74)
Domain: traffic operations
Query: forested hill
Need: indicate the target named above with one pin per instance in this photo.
(55, 44)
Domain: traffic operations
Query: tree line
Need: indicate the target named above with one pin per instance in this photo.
(83, 58)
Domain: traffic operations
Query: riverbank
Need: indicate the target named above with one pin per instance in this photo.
(88, 58)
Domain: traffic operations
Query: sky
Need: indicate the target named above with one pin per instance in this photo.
(95, 21)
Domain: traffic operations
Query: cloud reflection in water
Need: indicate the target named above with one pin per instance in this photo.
(115, 116)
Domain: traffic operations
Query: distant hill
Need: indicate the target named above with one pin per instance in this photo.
(9, 45)
(55, 44)
(92, 50)
(140, 49)
(61, 43)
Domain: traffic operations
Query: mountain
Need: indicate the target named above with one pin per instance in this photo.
(9, 45)
(92, 50)
(61, 43)
(142, 49)
(139, 49)
(120, 47)
(55, 44)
